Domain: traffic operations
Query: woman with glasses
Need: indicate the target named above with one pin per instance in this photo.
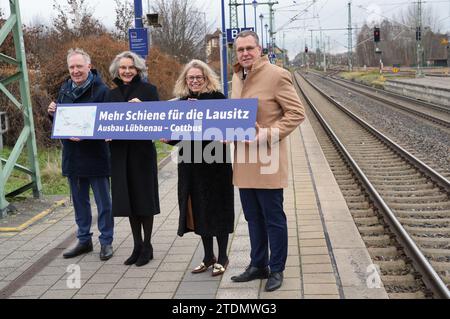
(205, 189)
(134, 171)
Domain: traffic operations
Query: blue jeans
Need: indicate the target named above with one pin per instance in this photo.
(267, 226)
(79, 187)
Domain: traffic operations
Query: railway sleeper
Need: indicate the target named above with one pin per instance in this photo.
(421, 206)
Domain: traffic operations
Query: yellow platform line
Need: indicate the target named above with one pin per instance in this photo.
(34, 219)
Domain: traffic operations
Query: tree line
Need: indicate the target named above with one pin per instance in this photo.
(181, 38)
(398, 41)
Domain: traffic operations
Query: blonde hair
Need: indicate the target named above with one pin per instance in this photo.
(211, 79)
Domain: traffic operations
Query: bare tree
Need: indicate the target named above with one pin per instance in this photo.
(183, 30)
(75, 19)
(398, 39)
(124, 18)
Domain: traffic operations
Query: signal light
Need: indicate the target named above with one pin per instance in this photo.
(306, 49)
(418, 34)
(376, 34)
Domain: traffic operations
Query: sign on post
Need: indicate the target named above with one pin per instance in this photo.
(232, 33)
(139, 41)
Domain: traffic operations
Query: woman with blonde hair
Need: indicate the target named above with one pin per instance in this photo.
(205, 189)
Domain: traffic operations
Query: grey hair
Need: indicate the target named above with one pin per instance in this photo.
(78, 51)
(139, 64)
(247, 33)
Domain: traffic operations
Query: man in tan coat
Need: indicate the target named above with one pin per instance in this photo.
(261, 166)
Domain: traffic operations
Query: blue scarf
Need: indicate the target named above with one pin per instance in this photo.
(77, 91)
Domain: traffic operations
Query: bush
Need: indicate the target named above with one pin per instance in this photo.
(48, 71)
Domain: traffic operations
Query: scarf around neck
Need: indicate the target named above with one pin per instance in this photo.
(77, 91)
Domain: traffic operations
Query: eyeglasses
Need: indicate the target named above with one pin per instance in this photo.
(199, 78)
(126, 68)
(248, 49)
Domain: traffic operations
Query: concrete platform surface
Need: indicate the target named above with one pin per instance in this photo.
(326, 255)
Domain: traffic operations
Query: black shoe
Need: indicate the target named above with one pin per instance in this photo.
(274, 282)
(134, 256)
(252, 273)
(106, 252)
(145, 256)
(79, 250)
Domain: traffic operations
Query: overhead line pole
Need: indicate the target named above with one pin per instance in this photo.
(419, 73)
(27, 136)
(350, 37)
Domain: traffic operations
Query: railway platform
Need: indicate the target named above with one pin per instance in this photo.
(430, 89)
(327, 257)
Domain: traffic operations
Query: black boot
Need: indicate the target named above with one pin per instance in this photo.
(145, 256)
(135, 224)
(134, 255)
(147, 249)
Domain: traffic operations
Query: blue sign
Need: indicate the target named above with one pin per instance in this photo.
(232, 33)
(231, 120)
(139, 41)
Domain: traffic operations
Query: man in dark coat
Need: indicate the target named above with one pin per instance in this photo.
(86, 162)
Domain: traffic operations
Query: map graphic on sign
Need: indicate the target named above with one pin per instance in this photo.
(75, 121)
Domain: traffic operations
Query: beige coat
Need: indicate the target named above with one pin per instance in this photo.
(280, 112)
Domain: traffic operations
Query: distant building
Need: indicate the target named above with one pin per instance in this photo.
(280, 55)
(212, 44)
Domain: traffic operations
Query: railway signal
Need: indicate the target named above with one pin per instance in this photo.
(376, 34)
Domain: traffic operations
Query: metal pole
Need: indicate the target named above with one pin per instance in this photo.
(27, 136)
(255, 3)
(419, 73)
(138, 14)
(224, 53)
(267, 36)
(324, 57)
(271, 33)
(261, 17)
(350, 39)
(245, 15)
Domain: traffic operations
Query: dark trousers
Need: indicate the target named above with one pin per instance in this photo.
(79, 187)
(267, 226)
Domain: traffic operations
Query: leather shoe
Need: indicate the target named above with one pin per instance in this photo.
(219, 269)
(204, 266)
(106, 252)
(79, 250)
(274, 282)
(252, 273)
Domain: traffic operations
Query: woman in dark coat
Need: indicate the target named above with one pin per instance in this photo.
(134, 171)
(205, 190)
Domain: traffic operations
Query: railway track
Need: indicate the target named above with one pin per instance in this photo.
(402, 213)
(436, 114)
(426, 140)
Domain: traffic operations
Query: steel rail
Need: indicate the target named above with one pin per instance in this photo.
(397, 96)
(430, 277)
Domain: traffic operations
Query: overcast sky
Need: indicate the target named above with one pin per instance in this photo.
(291, 20)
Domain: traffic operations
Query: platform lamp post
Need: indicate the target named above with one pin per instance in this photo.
(267, 36)
(255, 4)
(261, 17)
